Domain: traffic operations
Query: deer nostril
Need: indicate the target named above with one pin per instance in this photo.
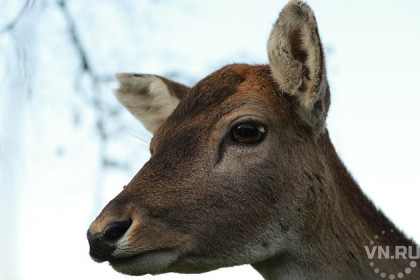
(116, 230)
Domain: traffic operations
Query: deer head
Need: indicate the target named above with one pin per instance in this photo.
(241, 168)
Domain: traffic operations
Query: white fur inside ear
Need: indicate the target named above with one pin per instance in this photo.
(147, 97)
(295, 53)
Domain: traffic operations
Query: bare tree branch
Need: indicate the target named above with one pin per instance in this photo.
(85, 63)
(94, 100)
(11, 25)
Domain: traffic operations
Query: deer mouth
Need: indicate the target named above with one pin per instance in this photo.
(148, 262)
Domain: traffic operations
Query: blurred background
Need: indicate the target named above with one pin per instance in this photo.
(67, 147)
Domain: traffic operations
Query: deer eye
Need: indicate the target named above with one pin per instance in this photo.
(250, 132)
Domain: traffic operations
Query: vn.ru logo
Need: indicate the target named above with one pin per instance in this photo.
(377, 253)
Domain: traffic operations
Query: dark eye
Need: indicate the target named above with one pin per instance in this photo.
(250, 132)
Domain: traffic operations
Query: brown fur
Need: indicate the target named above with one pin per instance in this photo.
(286, 205)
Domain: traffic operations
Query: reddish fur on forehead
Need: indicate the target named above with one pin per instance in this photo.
(241, 69)
(257, 79)
(257, 75)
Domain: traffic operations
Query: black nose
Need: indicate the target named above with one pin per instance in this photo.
(102, 244)
(116, 230)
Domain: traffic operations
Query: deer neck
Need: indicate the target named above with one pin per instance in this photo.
(335, 249)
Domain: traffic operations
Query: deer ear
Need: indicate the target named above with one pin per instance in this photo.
(297, 62)
(150, 98)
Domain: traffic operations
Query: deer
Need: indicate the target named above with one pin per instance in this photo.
(243, 171)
